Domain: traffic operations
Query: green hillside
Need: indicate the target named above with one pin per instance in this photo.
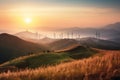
(50, 58)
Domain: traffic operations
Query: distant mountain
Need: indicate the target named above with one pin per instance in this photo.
(27, 35)
(114, 32)
(99, 43)
(46, 40)
(68, 44)
(3, 31)
(111, 31)
(12, 46)
(107, 32)
(115, 26)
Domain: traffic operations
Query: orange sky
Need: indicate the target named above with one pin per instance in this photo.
(48, 17)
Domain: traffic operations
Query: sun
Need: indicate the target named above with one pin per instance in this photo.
(28, 20)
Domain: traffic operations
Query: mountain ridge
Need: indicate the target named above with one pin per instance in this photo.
(12, 46)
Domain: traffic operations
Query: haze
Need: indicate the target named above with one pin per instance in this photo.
(56, 14)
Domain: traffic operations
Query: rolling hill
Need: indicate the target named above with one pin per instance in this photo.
(117, 39)
(51, 58)
(61, 44)
(34, 37)
(66, 44)
(12, 46)
(104, 67)
(99, 43)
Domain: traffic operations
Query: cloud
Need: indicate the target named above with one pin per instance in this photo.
(93, 3)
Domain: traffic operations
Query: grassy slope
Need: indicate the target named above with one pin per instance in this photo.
(106, 67)
(45, 59)
(38, 60)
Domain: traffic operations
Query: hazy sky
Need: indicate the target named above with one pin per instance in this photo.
(55, 14)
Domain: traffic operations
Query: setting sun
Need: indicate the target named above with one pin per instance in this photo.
(28, 20)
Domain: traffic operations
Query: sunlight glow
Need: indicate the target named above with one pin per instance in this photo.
(28, 20)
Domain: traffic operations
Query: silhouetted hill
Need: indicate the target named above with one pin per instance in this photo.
(66, 44)
(117, 39)
(34, 37)
(99, 43)
(27, 35)
(12, 46)
(115, 26)
(111, 31)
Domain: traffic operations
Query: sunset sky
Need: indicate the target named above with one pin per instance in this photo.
(17, 15)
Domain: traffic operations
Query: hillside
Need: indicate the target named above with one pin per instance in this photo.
(99, 43)
(12, 46)
(96, 68)
(66, 44)
(61, 44)
(51, 58)
(116, 40)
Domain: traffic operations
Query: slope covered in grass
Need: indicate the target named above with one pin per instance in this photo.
(51, 58)
(106, 67)
(37, 60)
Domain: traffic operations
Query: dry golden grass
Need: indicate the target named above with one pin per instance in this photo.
(106, 67)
